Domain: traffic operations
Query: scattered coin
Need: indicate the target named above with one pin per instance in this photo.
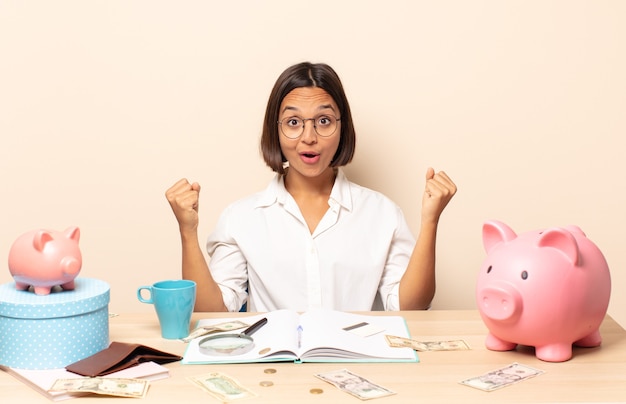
(269, 371)
(264, 351)
(266, 383)
(316, 391)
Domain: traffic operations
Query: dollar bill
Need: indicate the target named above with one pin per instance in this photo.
(104, 386)
(499, 378)
(222, 387)
(451, 345)
(354, 384)
(208, 329)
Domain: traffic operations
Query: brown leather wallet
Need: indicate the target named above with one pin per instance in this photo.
(118, 356)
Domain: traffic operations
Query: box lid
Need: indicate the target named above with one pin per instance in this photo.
(88, 295)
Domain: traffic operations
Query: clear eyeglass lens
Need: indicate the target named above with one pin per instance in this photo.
(324, 125)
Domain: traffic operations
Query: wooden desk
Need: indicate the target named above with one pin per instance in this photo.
(592, 375)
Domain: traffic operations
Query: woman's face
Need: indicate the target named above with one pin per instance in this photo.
(309, 154)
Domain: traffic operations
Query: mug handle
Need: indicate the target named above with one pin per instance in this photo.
(140, 297)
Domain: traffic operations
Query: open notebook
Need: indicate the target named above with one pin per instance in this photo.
(313, 336)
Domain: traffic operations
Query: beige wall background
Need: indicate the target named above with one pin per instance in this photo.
(105, 104)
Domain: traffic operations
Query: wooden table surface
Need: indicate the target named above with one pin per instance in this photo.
(592, 375)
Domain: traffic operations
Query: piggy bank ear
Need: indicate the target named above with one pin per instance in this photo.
(575, 230)
(495, 232)
(72, 233)
(562, 240)
(42, 237)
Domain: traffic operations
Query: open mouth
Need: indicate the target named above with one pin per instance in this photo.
(310, 157)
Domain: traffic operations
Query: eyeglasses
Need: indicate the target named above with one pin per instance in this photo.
(293, 127)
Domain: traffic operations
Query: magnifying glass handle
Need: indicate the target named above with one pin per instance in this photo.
(250, 330)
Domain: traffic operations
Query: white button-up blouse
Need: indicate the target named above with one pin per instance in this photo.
(262, 251)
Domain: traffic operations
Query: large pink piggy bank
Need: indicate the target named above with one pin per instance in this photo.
(44, 259)
(547, 289)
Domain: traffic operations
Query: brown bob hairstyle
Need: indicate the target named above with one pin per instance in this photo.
(306, 74)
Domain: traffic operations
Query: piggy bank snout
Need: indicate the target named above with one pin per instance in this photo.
(500, 302)
(70, 265)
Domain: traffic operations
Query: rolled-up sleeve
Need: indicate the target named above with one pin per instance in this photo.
(227, 264)
(400, 251)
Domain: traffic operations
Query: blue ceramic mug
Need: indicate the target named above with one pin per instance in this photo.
(173, 301)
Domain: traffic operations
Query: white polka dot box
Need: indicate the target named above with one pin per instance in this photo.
(55, 330)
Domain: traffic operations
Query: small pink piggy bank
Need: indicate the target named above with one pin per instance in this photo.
(44, 259)
(547, 289)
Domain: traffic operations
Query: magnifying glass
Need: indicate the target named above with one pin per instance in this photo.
(230, 344)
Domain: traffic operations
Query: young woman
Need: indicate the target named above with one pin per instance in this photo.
(312, 238)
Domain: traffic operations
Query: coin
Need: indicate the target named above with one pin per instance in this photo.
(266, 383)
(264, 351)
(316, 391)
(269, 371)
